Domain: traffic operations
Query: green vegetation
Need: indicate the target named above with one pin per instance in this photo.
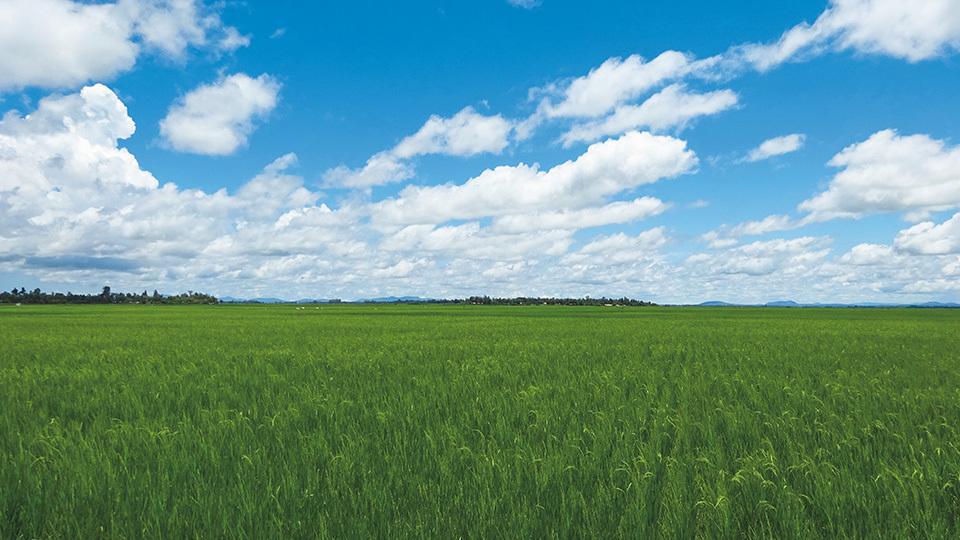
(37, 296)
(478, 422)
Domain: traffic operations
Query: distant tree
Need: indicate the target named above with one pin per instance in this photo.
(37, 296)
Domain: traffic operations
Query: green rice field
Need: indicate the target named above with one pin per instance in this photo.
(412, 421)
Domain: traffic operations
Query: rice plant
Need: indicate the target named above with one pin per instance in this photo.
(344, 421)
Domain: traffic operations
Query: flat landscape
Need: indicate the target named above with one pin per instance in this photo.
(395, 421)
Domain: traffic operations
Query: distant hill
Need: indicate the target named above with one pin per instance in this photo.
(782, 303)
(937, 305)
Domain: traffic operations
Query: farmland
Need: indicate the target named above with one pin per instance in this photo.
(401, 421)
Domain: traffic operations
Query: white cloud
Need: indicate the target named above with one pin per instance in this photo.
(620, 248)
(911, 272)
(927, 238)
(232, 40)
(53, 155)
(620, 265)
(466, 134)
(610, 92)
(615, 212)
(605, 169)
(729, 235)
(800, 42)
(75, 207)
(502, 270)
(216, 119)
(471, 241)
(669, 108)
(912, 31)
(171, 26)
(73, 203)
(61, 43)
(68, 189)
(401, 269)
(525, 4)
(763, 258)
(615, 82)
(272, 192)
(890, 173)
(382, 168)
(870, 255)
(776, 147)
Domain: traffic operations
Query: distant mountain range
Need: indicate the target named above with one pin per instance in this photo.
(790, 303)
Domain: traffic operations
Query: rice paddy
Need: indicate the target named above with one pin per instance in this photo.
(406, 421)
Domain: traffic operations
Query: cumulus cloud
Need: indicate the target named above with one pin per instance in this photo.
(466, 134)
(59, 43)
(525, 4)
(57, 158)
(216, 119)
(69, 192)
(617, 95)
(906, 269)
(870, 255)
(672, 107)
(605, 169)
(909, 30)
(62, 43)
(272, 192)
(613, 83)
(776, 147)
(68, 189)
(928, 238)
(890, 173)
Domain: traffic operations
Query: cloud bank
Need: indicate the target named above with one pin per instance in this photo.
(61, 43)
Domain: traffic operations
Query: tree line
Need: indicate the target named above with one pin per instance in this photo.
(525, 301)
(36, 296)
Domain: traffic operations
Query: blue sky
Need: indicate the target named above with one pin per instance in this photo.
(676, 151)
